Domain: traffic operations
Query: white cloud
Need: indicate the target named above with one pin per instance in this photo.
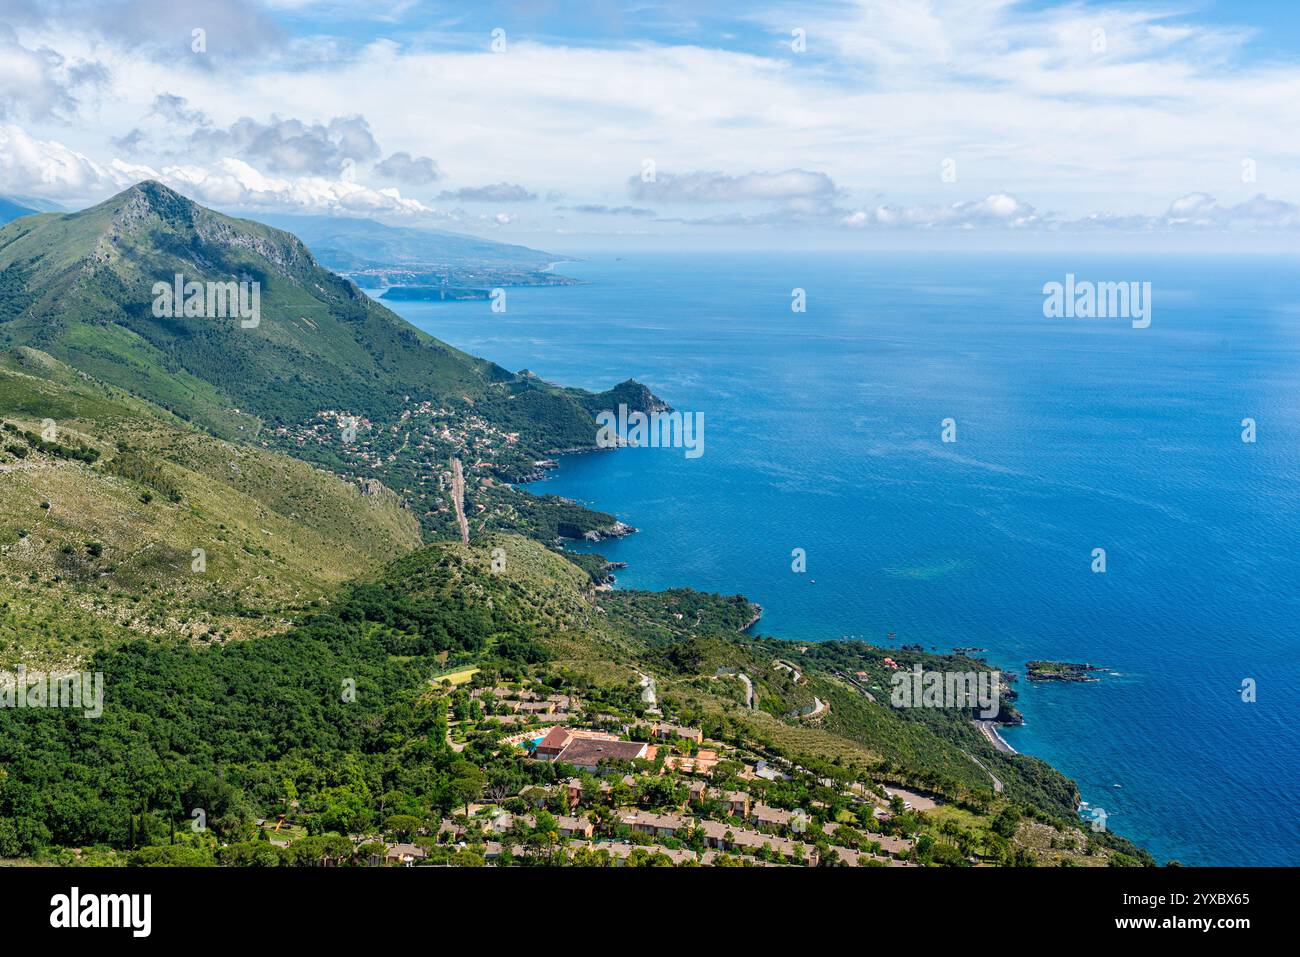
(405, 168)
(999, 210)
(235, 183)
(600, 209)
(38, 82)
(715, 187)
(48, 168)
(290, 145)
(494, 193)
(853, 132)
(1193, 211)
(1200, 210)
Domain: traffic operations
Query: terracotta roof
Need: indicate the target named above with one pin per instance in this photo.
(396, 851)
(590, 752)
(650, 819)
(770, 815)
(554, 741)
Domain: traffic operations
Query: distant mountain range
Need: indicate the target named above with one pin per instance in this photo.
(377, 255)
(14, 207)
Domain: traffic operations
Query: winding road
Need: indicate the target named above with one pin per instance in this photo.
(751, 700)
(997, 782)
(458, 499)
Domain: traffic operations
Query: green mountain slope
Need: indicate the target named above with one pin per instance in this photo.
(101, 524)
(79, 286)
(186, 727)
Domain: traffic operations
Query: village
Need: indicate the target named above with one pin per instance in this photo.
(649, 793)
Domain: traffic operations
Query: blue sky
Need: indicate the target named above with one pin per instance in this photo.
(1274, 24)
(854, 122)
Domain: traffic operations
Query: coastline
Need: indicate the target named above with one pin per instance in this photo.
(990, 731)
(1062, 733)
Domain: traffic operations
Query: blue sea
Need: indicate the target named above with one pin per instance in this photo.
(823, 432)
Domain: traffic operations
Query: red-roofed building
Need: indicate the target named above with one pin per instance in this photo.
(556, 741)
(590, 753)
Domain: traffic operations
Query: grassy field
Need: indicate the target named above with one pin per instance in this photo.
(455, 678)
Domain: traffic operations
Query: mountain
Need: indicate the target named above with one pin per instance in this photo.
(10, 210)
(81, 287)
(322, 373)
(375, 254)
(14, 207)
(36, 203)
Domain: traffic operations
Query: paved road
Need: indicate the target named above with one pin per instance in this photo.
(458, 498)
(648, 689)
(794, 672)
(751, 699)
(997, 782)
(819, 706)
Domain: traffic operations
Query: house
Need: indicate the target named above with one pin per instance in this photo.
(537, 707)
(737, 803)
(849, 857)
(494, 849)
(698, 790)
(607, 787)
(560, 737)
(537, 795)
(578, 827)
(765, 816)
(404, 854)
(702, 762)
(550, 747)
(656, 825)
(677, 731)
(741, 839)
(589, 754)
(573, 792)
(451, 828)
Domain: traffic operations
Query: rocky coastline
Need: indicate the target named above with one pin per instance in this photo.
(1060, 671)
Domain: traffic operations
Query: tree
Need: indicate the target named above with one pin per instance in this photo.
(1007, 822)
(467, 783)
(402, 826)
